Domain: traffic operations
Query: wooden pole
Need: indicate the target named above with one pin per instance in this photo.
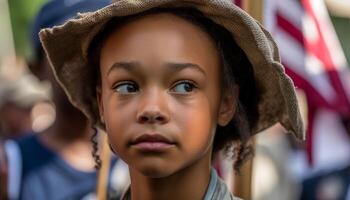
(254, 8)
(242, 183)
(103, 174)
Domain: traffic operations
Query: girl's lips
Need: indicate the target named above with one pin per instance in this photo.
(152, 146)
(152, 142)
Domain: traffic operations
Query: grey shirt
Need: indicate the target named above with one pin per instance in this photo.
(217, 190)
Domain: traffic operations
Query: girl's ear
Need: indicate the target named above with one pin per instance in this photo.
(99, 102)
(228, 106)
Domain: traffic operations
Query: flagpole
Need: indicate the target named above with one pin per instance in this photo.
(103, 174)
(242, 182)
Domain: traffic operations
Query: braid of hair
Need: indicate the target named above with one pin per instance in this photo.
(95, 155)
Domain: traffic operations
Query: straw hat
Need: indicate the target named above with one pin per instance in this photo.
(67, 47)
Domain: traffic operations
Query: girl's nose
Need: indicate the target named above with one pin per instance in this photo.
(153, 109)
(152, 117)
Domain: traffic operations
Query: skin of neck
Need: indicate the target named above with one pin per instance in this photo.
(188, 183)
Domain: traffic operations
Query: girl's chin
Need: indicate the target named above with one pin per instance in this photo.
(154, 166)
(155, 172)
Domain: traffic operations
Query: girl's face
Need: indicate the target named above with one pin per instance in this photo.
(160, 96)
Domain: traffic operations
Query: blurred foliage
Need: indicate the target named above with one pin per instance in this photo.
(22, 13)
(342, 27)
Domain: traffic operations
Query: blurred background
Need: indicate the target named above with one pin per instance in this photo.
(314, 41)
(24, 101)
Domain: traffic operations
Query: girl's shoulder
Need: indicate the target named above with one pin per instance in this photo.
(218, 189)
(222, 192)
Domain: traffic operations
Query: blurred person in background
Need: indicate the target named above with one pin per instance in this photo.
(57, 162)
(17, 98)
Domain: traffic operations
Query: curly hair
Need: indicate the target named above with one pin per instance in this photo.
(235, 69)
(95, 153)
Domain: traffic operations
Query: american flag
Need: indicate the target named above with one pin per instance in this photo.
(312, 56)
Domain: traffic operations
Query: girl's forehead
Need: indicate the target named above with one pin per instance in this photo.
(159, 38)
(162, 25)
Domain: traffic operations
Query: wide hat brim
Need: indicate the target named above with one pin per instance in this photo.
(66, 47)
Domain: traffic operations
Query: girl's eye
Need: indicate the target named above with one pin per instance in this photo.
(183, 87)
(126, 88)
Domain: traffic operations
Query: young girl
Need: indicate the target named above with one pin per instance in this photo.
(173, 82)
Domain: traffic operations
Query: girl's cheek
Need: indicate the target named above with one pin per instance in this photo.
(196, 122)
(117, 119)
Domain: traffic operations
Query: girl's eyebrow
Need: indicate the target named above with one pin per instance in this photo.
(128, 66)
(173, 67)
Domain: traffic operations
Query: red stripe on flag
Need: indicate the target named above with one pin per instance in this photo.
(238, 3)
(290, 28)
(311, 116)
(318, 47)
(313, 96)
